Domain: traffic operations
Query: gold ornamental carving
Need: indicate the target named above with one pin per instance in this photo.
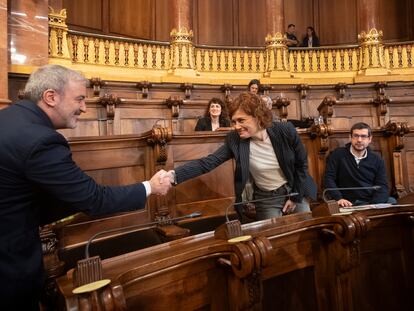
(277, 58)
(372, 56)
(58, 30)
(182, 60)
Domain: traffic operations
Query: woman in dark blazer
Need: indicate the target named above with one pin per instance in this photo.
(311, 39)
(268, 154)
(214, 117)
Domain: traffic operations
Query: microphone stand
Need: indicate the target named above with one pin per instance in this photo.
(330, 207)
(88, 271)
(231, 230)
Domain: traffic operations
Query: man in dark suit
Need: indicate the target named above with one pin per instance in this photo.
(38, 176)
(269, 154)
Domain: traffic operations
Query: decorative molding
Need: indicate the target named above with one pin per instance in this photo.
(159, 138)
(281, 104)
(303, 89)
(96, 84)
(174, 103)
(341, 89)
(144, 86)
(187, 87)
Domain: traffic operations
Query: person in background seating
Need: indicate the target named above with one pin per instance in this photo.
(269, 154)
(254, 86)
(310, 39)
(39, 181)
(291, 40)
(214, 118)
(356, 165)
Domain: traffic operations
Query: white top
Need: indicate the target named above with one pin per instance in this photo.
(264, 166)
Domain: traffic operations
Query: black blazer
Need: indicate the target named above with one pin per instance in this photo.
(289, 151)
(315, 41)
(38, 178)
(204, 124)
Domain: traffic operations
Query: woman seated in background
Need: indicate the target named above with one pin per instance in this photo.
(311, 39)
(214, 118)
(254, 86)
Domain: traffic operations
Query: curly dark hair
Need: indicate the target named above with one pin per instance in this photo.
(215, 100)
(252, 105)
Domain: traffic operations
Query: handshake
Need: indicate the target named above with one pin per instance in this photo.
(162, 181)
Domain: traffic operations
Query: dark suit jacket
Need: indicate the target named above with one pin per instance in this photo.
(37, 178)
(315, 42)
(204, 124)
(289, 151)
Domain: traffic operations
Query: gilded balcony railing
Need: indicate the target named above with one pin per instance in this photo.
(324, 59)
(113, 51)
(155, 57)
(209, 59)
(399, 55)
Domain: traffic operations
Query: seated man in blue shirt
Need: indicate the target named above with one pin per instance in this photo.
(356, 165)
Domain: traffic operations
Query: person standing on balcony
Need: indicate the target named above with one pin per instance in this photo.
(291, 40)
(311, 39)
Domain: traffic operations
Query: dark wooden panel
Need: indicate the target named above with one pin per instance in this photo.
(252, 23)
(131, 18)
(300, 13)
(394, 19)
(338, 21)
(163, 20)
(84, 14)
(215, 22)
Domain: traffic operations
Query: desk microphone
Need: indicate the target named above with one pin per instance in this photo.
(87, 276)
(148, 225)
(347, 188)
(293, 194)
(231, 230)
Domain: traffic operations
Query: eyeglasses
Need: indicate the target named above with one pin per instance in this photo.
(363, 136)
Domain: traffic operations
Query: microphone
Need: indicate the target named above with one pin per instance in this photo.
(347, 188)
(231, 230)
(87, 276)
(148, 224)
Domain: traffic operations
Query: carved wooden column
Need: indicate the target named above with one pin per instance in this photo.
(277, 60)
(396, 132)
(182, 49)
(370, 39)
(4, 94)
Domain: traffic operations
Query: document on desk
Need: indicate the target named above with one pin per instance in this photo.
(364, 207)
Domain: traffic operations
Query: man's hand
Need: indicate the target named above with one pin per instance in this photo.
(289, 207)
(160, 183)
(344, 203)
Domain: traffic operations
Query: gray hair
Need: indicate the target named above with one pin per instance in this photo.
(47, 77)
(267, 101)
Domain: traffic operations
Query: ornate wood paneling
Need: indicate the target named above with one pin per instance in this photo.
(214, 24)
(394, 19)
(163, 20)
(252, 23)
(85, 14)
(337, 21)
(131, 18)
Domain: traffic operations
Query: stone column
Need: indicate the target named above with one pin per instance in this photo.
(4, 93)
(277, 58)
(370, 39)
(182, 48)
